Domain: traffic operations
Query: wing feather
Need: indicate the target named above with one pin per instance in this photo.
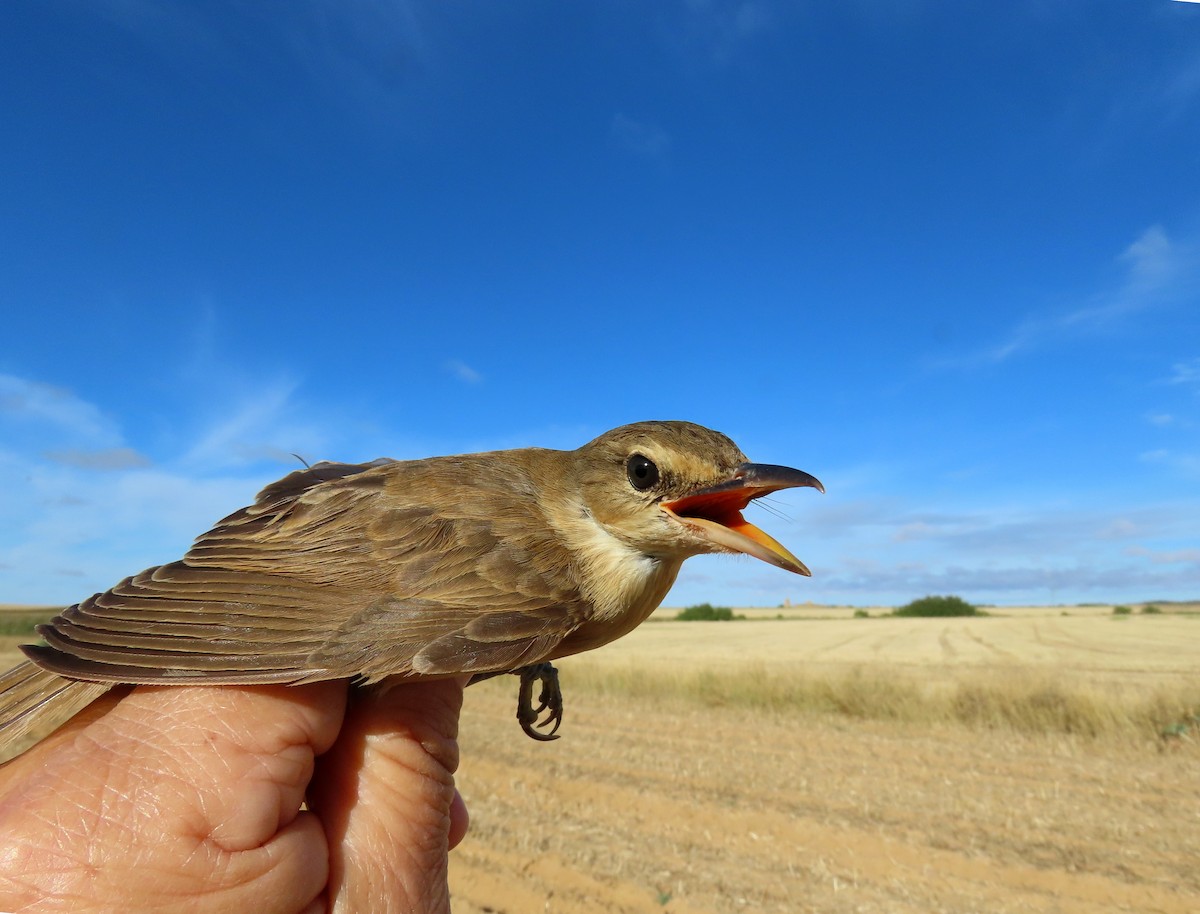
(339, 570)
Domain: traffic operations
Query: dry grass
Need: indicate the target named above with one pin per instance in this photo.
(19, 620)
(1016, 700)
(649, 806)
(822, 763)
(1032, 670)
(1028, 671)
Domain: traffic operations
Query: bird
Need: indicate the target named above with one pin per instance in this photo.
(476, 564)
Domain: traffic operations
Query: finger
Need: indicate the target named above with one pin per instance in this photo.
(460, 820)
(177, 793)
(386, 795)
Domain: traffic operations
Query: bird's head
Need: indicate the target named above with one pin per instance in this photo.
(678, 489)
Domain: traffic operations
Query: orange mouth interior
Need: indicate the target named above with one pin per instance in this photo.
(721, 507)
(724, 508)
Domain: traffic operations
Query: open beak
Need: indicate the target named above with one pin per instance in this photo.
(716, 512)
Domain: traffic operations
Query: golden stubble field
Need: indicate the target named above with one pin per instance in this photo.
(656, 802)
(823, 763)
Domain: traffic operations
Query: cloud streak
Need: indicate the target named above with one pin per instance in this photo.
(1014, 584)
(86, 512)
(1184, 464)
(1187, 374)
(884, 550)
(113, 458)
(462, 371)
(638, 138)
(1159, 271)
(720, 30)
(80, 515)
(363, 57)
(254, 426)
(36, 403)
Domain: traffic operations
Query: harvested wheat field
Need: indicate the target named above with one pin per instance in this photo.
(1028, 761)
(762, 766)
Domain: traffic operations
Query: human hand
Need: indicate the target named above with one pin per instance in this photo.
(189, 799)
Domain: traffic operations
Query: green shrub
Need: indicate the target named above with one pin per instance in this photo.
(1151, 610)
(861, 614)
(706, 612)
(937, 606)
(1121, 610)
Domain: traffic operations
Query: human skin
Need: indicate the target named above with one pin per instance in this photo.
(270, 799)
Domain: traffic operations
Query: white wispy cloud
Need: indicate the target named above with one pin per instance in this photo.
(879, 549)
(110, 458)
(363, 57)
(1186, 373)
(462, 371)
(719, 30)
(1158, 271)
(1017, 583)
(990, 530)
(639, 138)
(1167, 556)
(1180, 82)
(257, 423)
(72, 532)
(84, 508)
(1184, 463)
(32, 402)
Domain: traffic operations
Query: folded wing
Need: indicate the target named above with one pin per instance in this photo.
(340, 570)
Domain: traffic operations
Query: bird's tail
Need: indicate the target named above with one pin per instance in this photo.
(34, 703)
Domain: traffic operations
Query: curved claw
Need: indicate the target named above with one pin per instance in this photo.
(550, 698)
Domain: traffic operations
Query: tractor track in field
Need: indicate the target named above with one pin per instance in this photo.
(641, 808)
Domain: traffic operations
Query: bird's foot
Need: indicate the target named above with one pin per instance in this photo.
(549, 699)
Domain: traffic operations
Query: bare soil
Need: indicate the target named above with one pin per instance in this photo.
(645, 808)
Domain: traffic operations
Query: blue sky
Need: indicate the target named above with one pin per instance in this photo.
(944, 256)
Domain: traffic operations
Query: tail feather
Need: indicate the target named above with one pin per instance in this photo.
(34, 703)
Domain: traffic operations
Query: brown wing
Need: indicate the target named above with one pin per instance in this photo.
(339, 571)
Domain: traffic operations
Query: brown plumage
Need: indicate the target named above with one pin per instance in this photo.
(481, 563)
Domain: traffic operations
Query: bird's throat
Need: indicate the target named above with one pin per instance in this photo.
(622, 584)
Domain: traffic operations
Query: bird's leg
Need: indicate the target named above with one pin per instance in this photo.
(550, 698)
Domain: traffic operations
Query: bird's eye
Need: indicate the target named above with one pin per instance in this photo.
(642, 472)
